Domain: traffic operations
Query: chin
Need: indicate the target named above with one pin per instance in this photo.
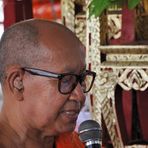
(71, 129)
(68, 128)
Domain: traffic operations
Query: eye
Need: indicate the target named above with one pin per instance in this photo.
(68, 80)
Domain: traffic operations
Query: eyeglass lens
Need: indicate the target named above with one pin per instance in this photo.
(69, 82)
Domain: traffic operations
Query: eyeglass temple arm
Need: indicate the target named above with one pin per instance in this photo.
(41, 72)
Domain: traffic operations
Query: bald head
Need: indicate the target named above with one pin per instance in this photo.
(21, 43)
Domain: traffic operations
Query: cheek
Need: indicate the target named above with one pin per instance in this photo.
(39, 88)
(42, 103)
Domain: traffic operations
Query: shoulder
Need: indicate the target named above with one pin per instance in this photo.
(70, 140)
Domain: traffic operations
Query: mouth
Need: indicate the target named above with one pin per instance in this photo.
(70, 111)
(70, 115)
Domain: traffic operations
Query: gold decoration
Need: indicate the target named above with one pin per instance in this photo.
(126, 66)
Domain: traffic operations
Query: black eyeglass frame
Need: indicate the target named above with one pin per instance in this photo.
(48, 74)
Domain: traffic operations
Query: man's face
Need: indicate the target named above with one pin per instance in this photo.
(44, 107)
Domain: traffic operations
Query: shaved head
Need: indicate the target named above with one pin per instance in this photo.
(21, 43)
(43, 76)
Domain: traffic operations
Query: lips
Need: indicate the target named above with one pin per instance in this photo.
(70, 110)
(71, 115)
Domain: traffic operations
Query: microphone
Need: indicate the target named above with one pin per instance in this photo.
(90, 133)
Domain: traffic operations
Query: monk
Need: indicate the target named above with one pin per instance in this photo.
(43, 76)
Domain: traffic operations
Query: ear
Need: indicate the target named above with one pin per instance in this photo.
(15, 83)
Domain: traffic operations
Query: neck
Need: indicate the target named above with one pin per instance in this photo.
(21, 135)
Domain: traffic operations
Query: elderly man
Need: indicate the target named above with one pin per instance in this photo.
(43, 76)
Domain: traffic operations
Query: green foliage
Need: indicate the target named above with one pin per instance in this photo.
(133, 3)
(96, 7)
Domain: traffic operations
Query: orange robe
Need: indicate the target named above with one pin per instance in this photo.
(69, 140)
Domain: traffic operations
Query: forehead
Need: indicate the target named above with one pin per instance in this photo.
(65, 51)
(68, 60)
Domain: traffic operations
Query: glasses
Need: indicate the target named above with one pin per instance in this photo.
(67, 81)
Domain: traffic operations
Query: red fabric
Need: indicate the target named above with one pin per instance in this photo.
(142, 99)
(127, 112)
(123, 106)
(69, 140)
(124, 110)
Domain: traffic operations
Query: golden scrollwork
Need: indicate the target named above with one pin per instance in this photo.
(133, 79)
(123, 65)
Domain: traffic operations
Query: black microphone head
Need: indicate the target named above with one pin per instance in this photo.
(90, 130)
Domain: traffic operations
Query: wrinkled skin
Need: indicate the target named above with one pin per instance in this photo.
(39, 110)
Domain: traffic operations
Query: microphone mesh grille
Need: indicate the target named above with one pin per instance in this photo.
(90, 130)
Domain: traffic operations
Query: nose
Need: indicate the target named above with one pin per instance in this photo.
(78, 94)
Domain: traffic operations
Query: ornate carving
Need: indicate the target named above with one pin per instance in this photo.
(133, 79)
(93, 55)
(75, 22)
(108, 81)
(123, 65)
(93, 42)
(80, 27)
(137, 146)
(68, 13)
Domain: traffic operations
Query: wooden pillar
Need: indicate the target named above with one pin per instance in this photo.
(9, 12)
(16, 10)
